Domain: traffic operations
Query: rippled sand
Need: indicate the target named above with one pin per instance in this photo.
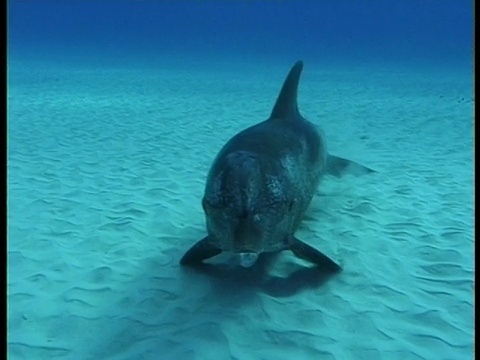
(106, 168)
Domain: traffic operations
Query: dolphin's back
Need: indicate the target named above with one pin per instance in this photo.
(285, 133)
(286, 146)
(261, 183)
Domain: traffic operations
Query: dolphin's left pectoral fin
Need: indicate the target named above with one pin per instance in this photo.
(306, 252)
(202, 250)
(338, 166)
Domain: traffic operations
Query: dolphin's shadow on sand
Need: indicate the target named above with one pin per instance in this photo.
(225, 276)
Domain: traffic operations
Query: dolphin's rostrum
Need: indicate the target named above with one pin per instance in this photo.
(261, 183)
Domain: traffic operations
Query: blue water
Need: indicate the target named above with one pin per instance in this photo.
(116, 110)
(438, 31)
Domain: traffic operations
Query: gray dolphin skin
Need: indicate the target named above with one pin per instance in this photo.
(261, 183)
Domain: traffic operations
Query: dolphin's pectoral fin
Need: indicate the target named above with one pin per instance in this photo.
(338, 166)
(306, 252)
(202, 250)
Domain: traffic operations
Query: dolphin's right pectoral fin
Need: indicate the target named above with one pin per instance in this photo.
(202, 250)
(306, 252)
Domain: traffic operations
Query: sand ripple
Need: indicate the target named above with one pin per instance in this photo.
(105, 174)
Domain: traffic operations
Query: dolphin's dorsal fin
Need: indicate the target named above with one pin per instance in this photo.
(286, 105)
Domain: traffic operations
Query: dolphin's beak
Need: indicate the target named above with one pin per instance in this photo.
(247, 259)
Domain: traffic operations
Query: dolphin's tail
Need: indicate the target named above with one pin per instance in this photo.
(338, 166)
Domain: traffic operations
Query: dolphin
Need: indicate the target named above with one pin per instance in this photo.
(262, 182)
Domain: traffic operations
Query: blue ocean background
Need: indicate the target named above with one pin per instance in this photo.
(409, 31)
(115, 111)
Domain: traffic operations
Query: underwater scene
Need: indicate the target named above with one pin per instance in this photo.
(244, 180)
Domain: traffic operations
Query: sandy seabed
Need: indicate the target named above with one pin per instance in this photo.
(106, 168)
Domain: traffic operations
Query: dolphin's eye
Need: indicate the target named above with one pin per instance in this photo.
(205, 204)
(208, 204)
